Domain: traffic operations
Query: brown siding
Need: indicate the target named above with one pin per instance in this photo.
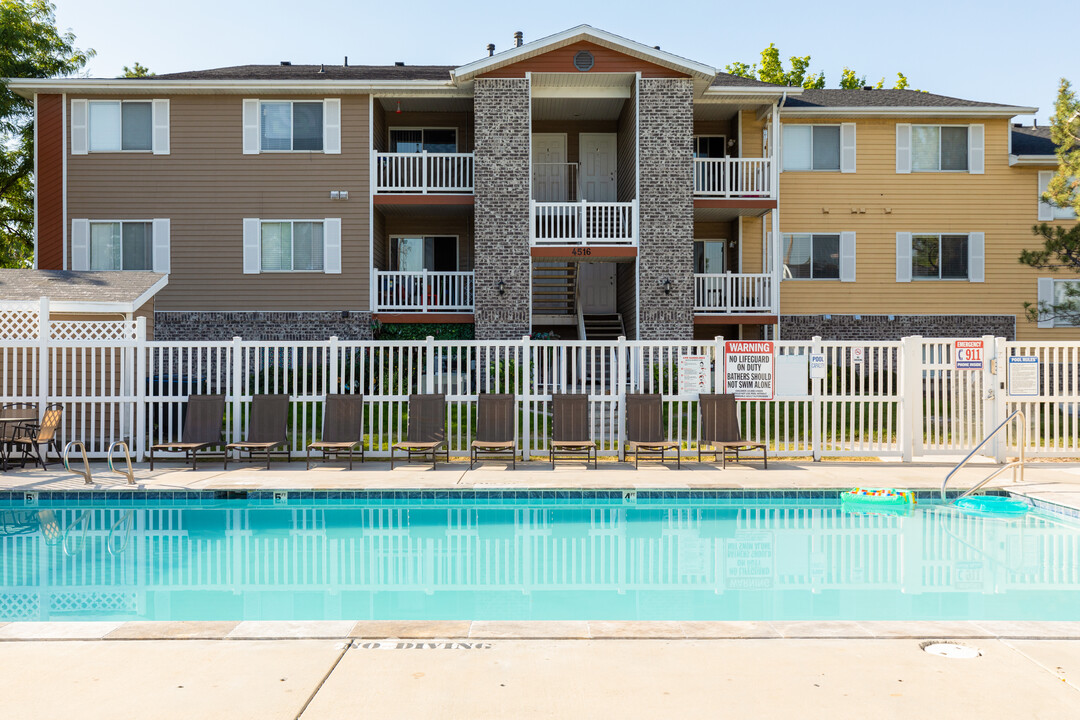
(206, 186)
(627, 149)
(605, 61)
(379, 253)
(50, 182)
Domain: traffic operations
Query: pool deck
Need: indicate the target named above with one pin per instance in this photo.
(320, 670)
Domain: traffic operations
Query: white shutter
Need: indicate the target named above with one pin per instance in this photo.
(903, 148)
(252, 247)
(1046, 295)
(903, 257)
(332, 126)
(80, 142)
(1046, 210)
(80, 244)
(847, 147)
(160, 111)
(161, 245)
(976, 153)
(847, 257)
(332, 246)
(251, 127)
(976, 257)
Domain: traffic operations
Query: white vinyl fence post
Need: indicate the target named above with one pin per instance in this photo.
(523, 391)
(988, 402)
(911, 407)
(332, 361)
(429, 373)
(620, 395)
(138, 375)
(815, 406)
(43, 359)
(237, 387)
(997, 379)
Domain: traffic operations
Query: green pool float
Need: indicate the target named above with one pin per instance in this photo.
(871, 499)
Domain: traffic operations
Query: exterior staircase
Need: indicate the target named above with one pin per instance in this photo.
(554, 293)
(603, 327)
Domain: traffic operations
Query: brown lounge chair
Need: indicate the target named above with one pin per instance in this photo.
(203, 419)
(342, 428)
(495, 437)
(570, 436)
(30, 437)
(427, 429)
(11, 416)
(720, 432)
(267, 428)
(645, 428)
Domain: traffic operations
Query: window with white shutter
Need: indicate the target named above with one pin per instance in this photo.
(292, 126)
(1047, 210)
(813, 147)
(813, 256)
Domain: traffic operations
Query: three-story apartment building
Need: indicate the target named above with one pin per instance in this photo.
(583, 184)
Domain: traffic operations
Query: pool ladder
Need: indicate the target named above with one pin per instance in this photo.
(86, 474)
(1017, 466)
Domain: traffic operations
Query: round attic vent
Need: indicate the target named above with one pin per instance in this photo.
(583, 61)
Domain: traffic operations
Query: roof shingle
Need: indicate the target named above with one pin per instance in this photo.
(878, 98)
(116, 286)
(1032, 141)
(314, 73)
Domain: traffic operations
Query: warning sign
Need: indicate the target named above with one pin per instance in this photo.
(968, 354)
(1023, 375)
(749, 367)
(694, 374)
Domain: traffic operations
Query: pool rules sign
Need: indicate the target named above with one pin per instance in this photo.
(749, 369)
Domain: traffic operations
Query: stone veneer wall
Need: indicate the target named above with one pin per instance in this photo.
(261, 325)
(666, 227)
(880, 327)
(501, 231)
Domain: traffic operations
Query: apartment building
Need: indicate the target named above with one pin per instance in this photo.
(583, 184)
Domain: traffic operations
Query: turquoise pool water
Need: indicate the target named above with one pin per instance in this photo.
(502, 556)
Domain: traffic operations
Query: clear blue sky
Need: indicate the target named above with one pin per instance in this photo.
(976, 50)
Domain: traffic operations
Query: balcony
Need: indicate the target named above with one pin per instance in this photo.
(422, 173)
(733, 293)
(584, 223)
(734, 178)
(423, 291)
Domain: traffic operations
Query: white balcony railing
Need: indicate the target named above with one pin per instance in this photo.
(733, 178)
(423, 291)
(584, 223)
(423, 172)
(733, 293)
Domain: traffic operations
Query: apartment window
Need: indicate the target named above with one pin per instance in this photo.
(121, 246)
(291, 245)
(710, 256)
(1049, 211)
(811, 256)
(939, 148)
(1066, 291)
(432, 253)
(811, 147)
(414, 140)
(710, 146)
(288, 125)
(117, 125)
(939, 257)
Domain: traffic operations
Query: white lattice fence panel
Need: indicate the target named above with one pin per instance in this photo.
(18, 322)
(91, 330)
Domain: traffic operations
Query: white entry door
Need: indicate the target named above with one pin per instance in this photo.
(597, 152)
(596, 288)
(550, 171)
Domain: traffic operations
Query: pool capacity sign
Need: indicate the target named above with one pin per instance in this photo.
(968, 354)
(749, 369)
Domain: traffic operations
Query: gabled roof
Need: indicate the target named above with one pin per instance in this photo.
(893, 102)
(315, 73)
(590, 34)
(724, 79)
(95, 291)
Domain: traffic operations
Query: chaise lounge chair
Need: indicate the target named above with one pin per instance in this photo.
(267, 428)
(720, 432)
(342, 428)
(203, 419)
(645, 428)
(427, 429)
(495, 420)
(570, 436)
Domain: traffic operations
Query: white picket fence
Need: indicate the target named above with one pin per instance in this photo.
(903, 399)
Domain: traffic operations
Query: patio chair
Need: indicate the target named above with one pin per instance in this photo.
(203, 419)
(495, 419)
(570, 435)
(267, 429)
(427, 429)
(342, 428)
(30, 437)
(645, 428)
(12, 415)
(720, 432)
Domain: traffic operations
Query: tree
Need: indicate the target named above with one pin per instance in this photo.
(772, 71)
(138, 71)
(31, 46)
(1061, 246)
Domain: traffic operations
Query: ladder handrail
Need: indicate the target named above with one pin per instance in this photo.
(86, 476)
(130, 473)
(1013, 465)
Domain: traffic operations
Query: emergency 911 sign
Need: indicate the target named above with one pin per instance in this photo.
(968, 354)
(749, 367)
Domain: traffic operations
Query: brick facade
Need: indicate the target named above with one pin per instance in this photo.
(501, 230)
(880, 327)
(666, 227)
(261, 325)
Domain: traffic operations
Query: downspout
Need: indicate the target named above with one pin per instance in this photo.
(777, 240)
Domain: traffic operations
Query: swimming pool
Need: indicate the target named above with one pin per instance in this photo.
(521, 555)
